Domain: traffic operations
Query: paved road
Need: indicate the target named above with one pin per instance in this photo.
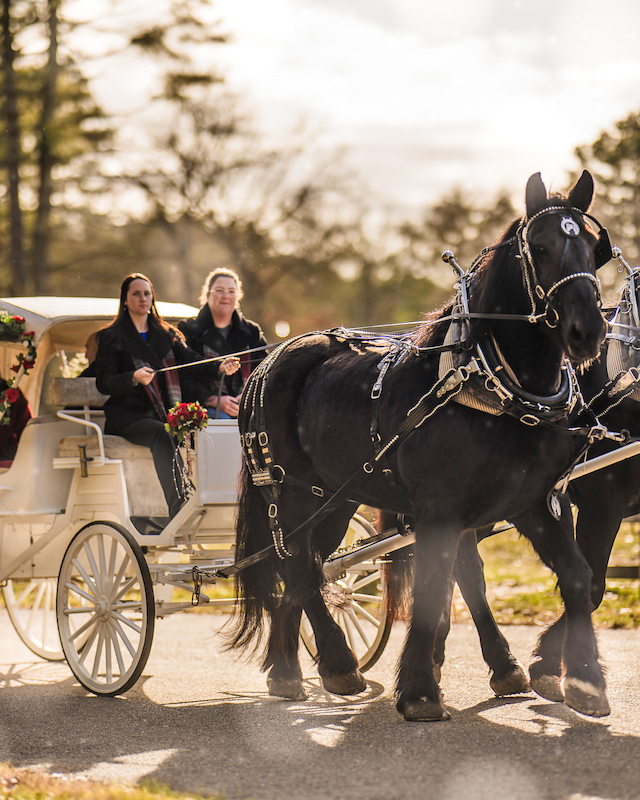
(199, 720)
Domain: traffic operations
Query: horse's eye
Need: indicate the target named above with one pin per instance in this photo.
(538, 250)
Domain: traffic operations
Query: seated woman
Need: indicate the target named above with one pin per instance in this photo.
(219, 329)
(130, 351)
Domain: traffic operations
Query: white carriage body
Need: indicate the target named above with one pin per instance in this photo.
(44, 497)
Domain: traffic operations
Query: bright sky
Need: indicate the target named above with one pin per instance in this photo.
(426, 94)
(430, 93)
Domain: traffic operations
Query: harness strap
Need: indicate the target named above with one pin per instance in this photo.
(440, 393)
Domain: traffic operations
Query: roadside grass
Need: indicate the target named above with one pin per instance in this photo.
(18, 784)
(522, 591)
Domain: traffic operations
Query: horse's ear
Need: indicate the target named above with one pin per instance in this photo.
(582, 193)
(535, 195)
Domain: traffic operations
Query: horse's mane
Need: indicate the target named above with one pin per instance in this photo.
(492, 280)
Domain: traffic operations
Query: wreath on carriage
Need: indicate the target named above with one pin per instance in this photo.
(12, 329)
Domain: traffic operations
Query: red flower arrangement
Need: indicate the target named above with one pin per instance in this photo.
(186, 418)
(12, 329)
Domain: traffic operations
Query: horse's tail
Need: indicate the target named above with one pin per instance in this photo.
(256, 585)
(397, 573)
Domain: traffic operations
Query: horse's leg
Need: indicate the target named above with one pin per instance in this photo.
(441, 636)
(508, 675)
(597, 526)
(583, 684)
(337, 665)
(417, 692)
(285, 674)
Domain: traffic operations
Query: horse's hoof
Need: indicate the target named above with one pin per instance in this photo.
(549, 687)
(351, 683)
(290, 688)
(585, 697)
(424, 710)
(515, 682)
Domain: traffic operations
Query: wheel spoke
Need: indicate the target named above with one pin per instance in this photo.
(129, 622)
(124, 589)
(36, 603)
(348, 627)
(73, 587)
(98, 654)
(85, 626)
(366, 580)
(107, 653)
(89, 643)
(113, 552)
(25, 593)
(46, 609)
(94, 567)
(103, 564)
(367, 598)
(358, 609)
(356, 622)
(124, 638)
(118, 652)
(89, 581)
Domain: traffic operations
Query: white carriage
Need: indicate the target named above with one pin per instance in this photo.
(88, 557)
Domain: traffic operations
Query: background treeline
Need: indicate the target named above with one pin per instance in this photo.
(183, 184)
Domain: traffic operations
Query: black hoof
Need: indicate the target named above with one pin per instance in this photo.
(585, 698)
(351, 683)
(515, 682)
(290, 688)
(549, 687)
(424, 710)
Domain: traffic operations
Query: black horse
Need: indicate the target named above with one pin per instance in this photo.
(603, 499)
(533, 300)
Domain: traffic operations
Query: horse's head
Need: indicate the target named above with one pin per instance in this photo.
(560, 254)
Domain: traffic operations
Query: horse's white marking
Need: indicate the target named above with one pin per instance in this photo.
(583, 686)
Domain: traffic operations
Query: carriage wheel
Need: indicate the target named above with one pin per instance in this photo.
(32, 610)
(105, 608)
(357, 603)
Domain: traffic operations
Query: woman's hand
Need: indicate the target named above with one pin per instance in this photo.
(144, 375)
(229, 405)
(230, 365)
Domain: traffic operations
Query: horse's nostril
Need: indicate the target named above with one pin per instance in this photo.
(576, 333)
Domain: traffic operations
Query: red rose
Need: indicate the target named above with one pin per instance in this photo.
(29, 334)
(18, 318)
(15, 367)
(12, 395)
(28, 363)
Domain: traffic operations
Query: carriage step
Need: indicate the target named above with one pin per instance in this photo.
(149, 526)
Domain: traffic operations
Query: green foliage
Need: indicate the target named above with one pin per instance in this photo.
(614, 160)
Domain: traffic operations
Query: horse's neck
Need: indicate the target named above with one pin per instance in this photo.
(533, 356)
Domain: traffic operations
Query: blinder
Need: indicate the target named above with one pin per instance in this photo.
(604, 251)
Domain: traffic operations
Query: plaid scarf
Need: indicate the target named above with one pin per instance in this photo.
(172, 381)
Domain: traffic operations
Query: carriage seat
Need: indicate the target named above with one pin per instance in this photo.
(146, 498)
(76, 393)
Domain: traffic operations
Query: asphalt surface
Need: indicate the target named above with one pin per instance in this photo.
(200, 720)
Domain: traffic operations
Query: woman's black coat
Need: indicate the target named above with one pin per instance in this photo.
(114, 368)
(243, 335)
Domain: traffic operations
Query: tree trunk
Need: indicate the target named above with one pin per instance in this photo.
(13, 151)
(40, 260)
